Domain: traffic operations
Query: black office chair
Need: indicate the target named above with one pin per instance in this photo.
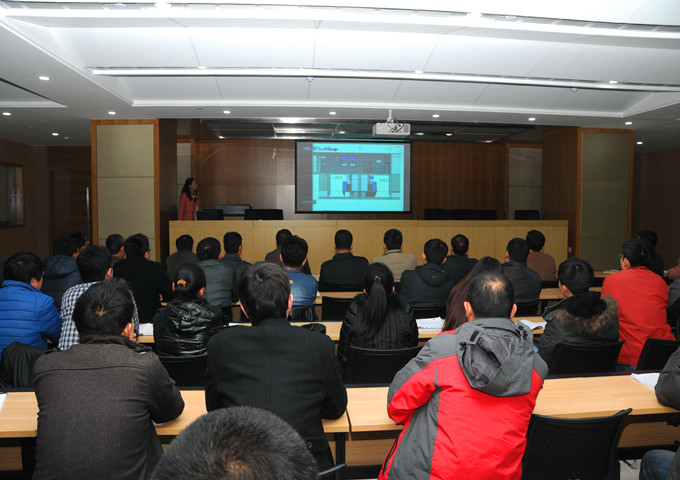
(527, 309)
(436, 311)
(333, 309)
(572, 359)
(369, 365)
(303, 314)
(583, 448)
(334, 473)
(186, 370)
(655, 353)
(549, 284)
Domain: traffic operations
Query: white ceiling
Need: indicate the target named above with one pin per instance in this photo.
(488, 62)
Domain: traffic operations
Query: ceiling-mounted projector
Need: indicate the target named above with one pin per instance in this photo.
(391, 129)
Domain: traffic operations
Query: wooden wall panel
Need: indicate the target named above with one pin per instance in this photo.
(658, 207)
(20, 237)
(561, 194)
(166, 181)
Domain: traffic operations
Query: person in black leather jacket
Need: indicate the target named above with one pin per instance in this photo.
(378, 318)
(185, 325)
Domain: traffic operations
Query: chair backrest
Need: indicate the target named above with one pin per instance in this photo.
(369, 365)
(583, 448)
(186, 370)
(437, 311)
(527, 309)
(303, 314)
(334, 473)
(549, 284)
(572, 358)
(333, 309)
(656, 352)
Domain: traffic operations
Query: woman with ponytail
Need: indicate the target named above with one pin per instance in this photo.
(377, 318)
(189, 201)
(185, 325)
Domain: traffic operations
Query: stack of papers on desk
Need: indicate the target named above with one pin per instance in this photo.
(435, 324)
(532, 325)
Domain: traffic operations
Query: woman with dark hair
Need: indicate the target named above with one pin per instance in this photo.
(377, 318)
(455, 312)
(189, 201)
(184, 326)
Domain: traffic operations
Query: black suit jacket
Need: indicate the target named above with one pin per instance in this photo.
(288, 370)
(344, 272)
(458, 266)
(148, 282)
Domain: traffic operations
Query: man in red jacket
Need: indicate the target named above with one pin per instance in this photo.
(466, 399)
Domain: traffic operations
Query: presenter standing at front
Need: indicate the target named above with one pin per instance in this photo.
(189, 201)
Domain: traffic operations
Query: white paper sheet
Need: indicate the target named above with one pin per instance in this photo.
(532, 325)
(648, 379)
(430, 324)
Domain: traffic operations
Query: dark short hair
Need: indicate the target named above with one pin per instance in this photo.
(114, 242)
(637, 252)
(491, 296)
(81, 238)
(435, 251)
(65, 246)
(294, 251)
(232, 240)
(23, 267)
(136, 245)
(264, 291)
(104, 309)
(208, 249)
(93, 263)
(283, 235)
(343, 240)
(518, 250)
(460, 244)
(576, 274)
(237, 443)
(393, 239)
(189, 279)
(535, 240)
(184, 243)
(649, 236)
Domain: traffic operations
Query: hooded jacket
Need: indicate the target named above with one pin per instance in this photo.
(61, 273)
(183, 328)
(427, 285)
(465, 402)
(584, 319)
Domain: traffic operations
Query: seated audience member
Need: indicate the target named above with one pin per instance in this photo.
(393, 257)
(275, 255)
(377, 318)
(146, 278)
(237, 443)
(665, 464)
(674, 273)
(28, 315)
(540, 262)
(94, 265)
(582, 317)
(220, 289)
(458, 264)
(303, 287)
(655, 260)
(232, 253)
(642, 298)
(98, 399)
(455, 310)
(288, 370)
(185, 325)
(82, 240)
(115, 244)
(61, 271)
(525, 281)
(466, 405)
(184, 244)
(344, 272)
(428, 285)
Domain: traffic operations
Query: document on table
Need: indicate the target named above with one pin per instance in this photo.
(430, 324)
(648, 379)
(3, 397)
(146, 329)
(532, 325)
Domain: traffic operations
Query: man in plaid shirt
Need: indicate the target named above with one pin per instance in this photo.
(94, 265)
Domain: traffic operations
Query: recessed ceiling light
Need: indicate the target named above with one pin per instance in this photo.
(55, 134)
(629, 123)
(7, 114)
(226, 112)
(341, 132)
(202, 67)
(532, 119)
(221, 137)
(44, 78)
(449, 134)
(420, 133)
(112, 112)
(639, 143)
(613, 82)
(435, 115)
(331, 113)
(417, 71)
